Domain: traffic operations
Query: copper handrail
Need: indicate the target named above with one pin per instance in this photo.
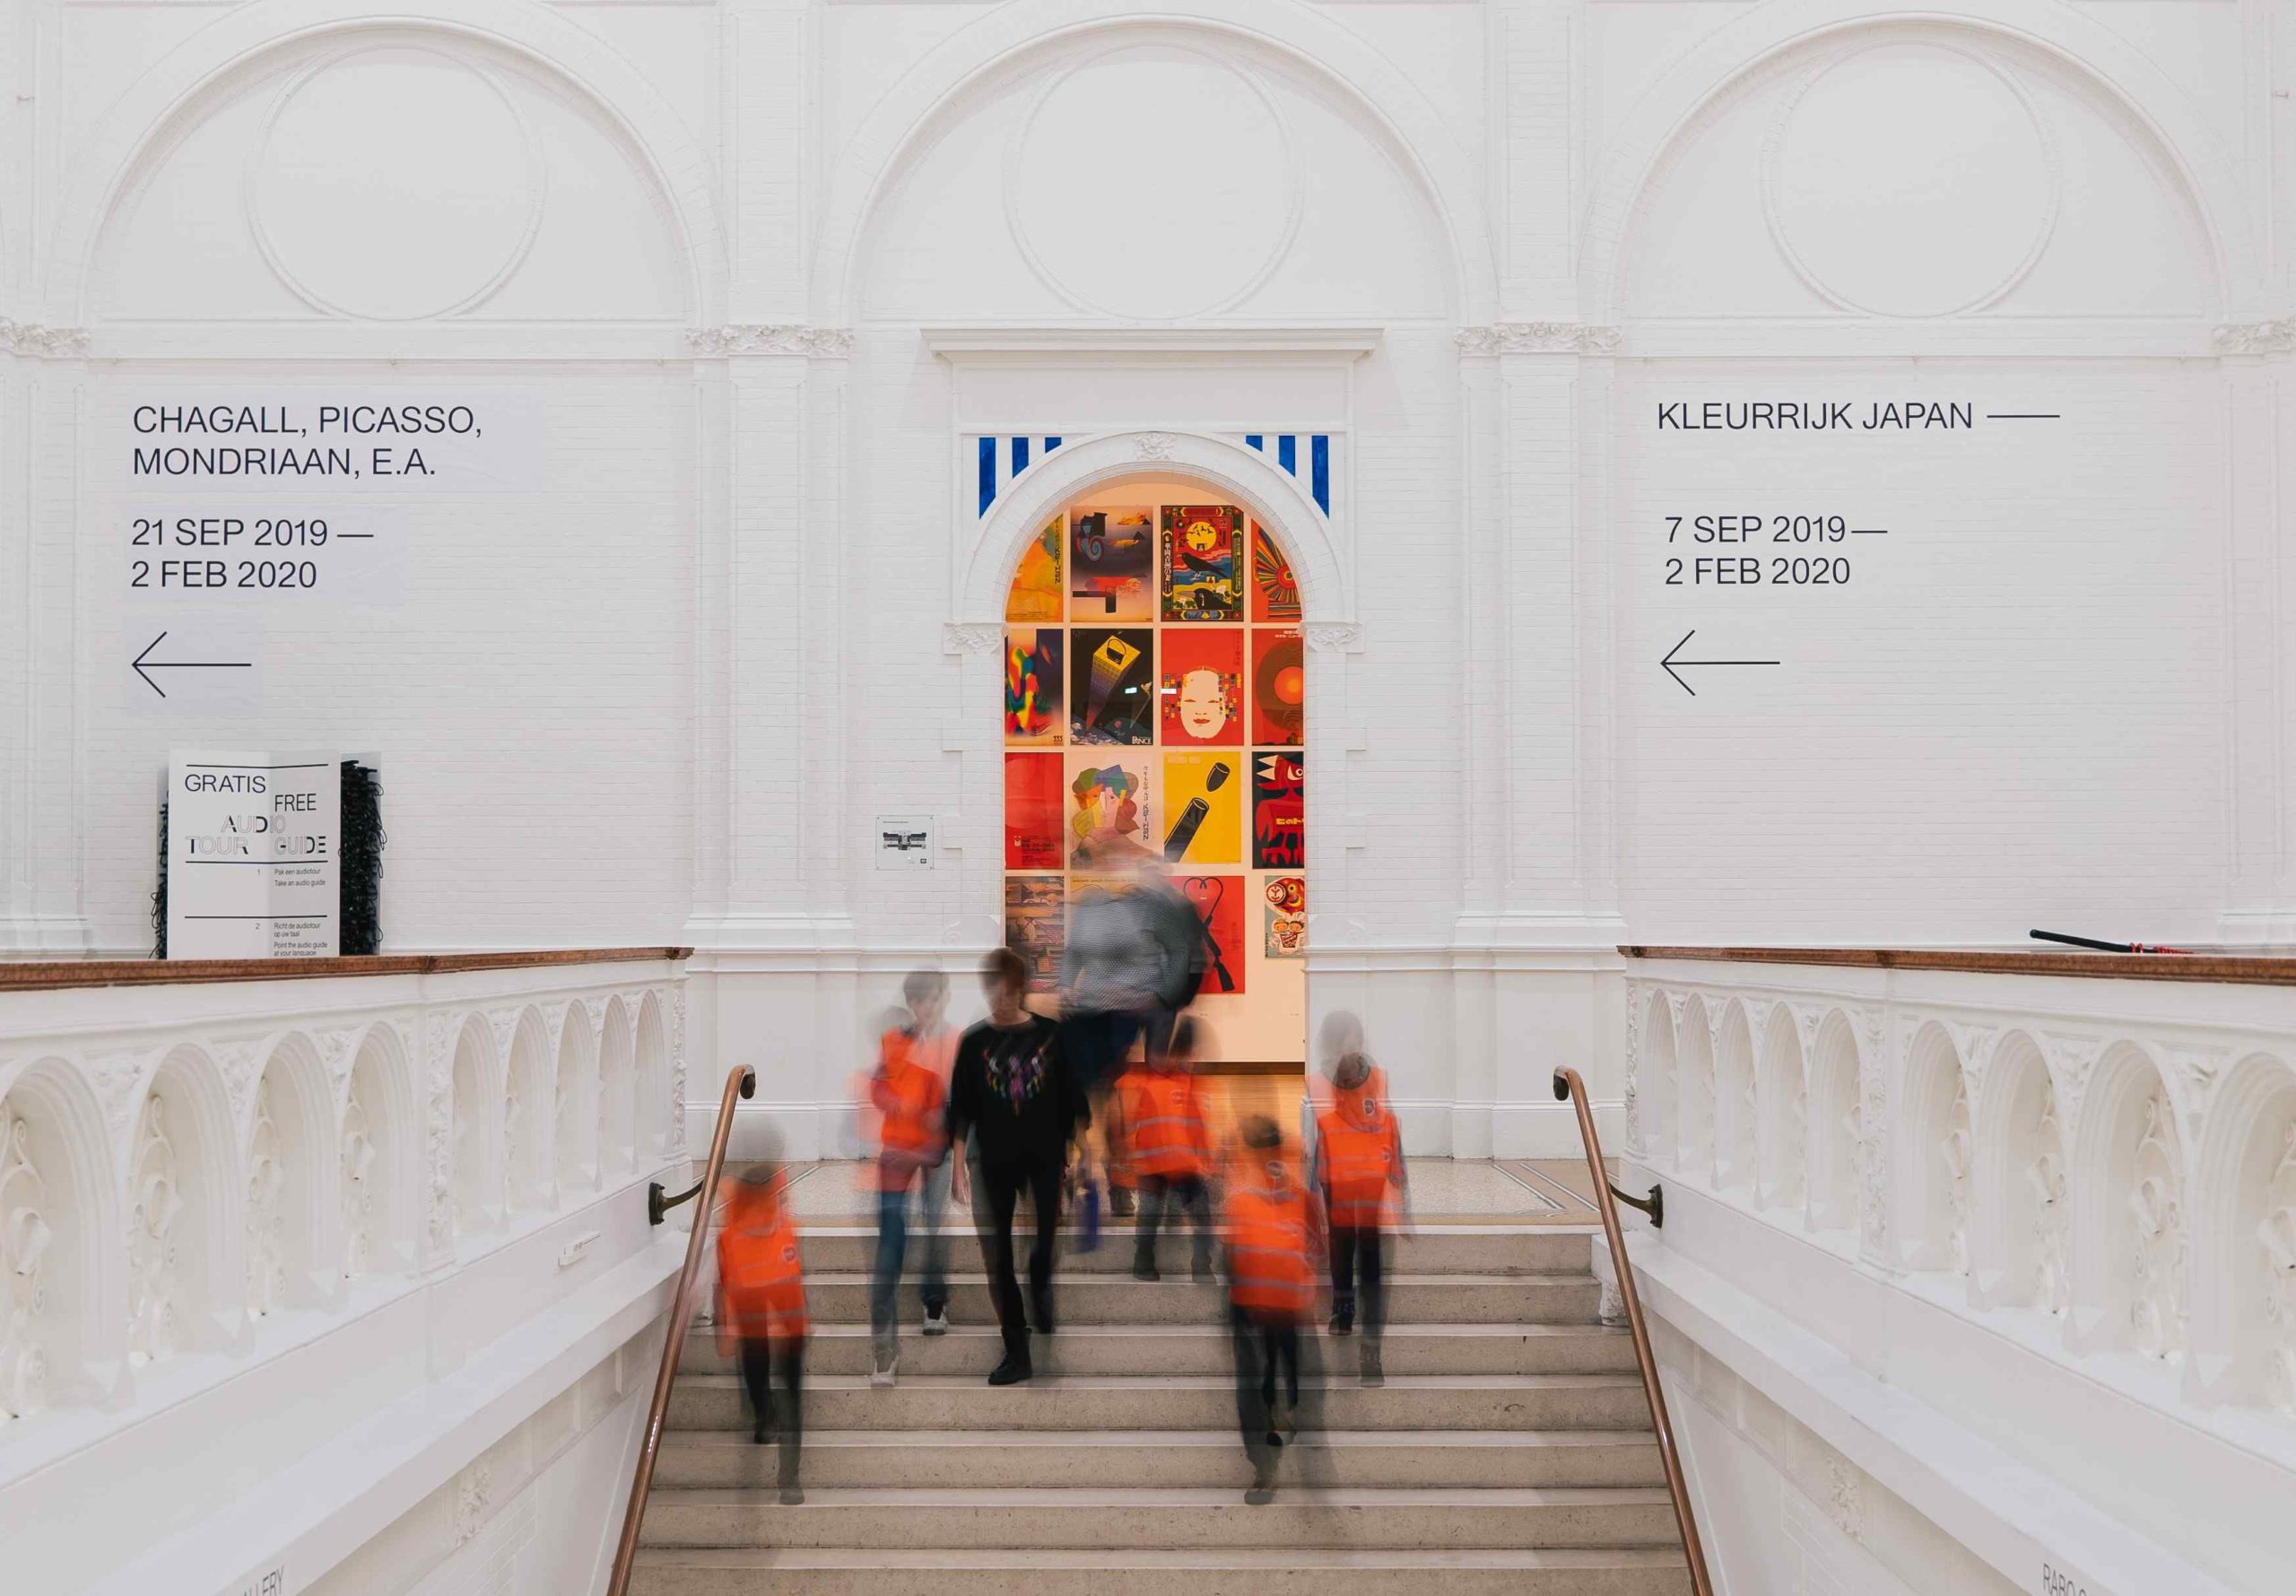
(740, 1081)
(1567, 1084)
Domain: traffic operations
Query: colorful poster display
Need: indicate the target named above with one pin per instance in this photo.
(1112, 566)
(1279, 687)
(1275, 592)
(1111, 686)
(1279, 810)
(1200, 549)
(1035, 808)
(1036, 592)
(1285, 901)
(1032, 685)
(1202, 687)
(1219, 905)
(1204, 809)
(1111, 810)
(1035, 926)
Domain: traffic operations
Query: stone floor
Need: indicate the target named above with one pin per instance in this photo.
(1513, 1190)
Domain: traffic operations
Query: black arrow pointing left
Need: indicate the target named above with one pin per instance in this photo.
(144, 664)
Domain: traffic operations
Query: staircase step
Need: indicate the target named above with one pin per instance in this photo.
(1190, 1401)
(1262, 1572)
(1205, 1349)
(1081, 1518)
(835, 1297)
(1434, 1249)
(1046, 1458)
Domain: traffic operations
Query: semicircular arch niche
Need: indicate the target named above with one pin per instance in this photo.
(1154, 713)
(399, 175)
(1152, 174)
(1908, 172)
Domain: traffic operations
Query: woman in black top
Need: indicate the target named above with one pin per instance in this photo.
(1013, 1099)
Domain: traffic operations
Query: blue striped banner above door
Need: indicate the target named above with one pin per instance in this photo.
(1287, 455)
(997, 460)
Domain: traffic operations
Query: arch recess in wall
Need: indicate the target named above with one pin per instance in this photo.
(1655, 1089)
(62, 1315)
(577, 1136)
(2020, 1243)
(617, 1089)
(1781, 1101)
(530, 1115)
(489, 184)
(1694, 1059)
(376, 1147)
(477, 1097)
(1901, 171)
(1934, 1142)
(2130, 1261)
(1837, 1126)
(184, 1205)
(1733, 1098)
(289, 1214)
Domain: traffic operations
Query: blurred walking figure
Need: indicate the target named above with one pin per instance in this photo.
(762, 1310)
(907, 1096)
(1012, 1098)
(1360, 1173)
(1133, 959)
(1271, 1291)
(1157, 1117)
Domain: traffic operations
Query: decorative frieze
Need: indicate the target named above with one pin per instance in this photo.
(360, 1156)
(2156, 1305)
(42, 343)
(972, 636)
(1538, 338)
(772, 338)
(266, 1214)
(2277, 1236)
(2046, 1184)
(2257, 338)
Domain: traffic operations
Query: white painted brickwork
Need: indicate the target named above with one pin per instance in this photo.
(764, 264)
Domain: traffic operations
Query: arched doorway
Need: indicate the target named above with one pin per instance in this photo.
(1154, 710)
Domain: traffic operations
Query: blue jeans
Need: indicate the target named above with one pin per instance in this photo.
(932, 1188)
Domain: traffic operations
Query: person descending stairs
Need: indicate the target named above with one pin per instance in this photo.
(1509, 1450)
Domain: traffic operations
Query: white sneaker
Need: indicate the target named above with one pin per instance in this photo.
(882, 1372)
(937, 1323)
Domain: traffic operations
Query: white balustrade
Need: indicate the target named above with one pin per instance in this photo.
(2122, 1167)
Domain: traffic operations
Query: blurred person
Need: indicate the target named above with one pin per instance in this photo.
(1360, 1174)
(1158, 1119)
(1133, 961)
(1014, 1103)
(1270, 1226)
(762, 1310)
(907, 1095)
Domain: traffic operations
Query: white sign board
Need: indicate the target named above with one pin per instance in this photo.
(253, 841)
(904, 842)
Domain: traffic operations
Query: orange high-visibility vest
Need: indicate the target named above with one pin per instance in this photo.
(1361, 1148)
(910, 1096)
(1164, 1123)
(760, 1272)
(1268, 1271)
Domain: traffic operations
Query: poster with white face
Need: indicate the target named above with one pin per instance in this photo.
(253, 846)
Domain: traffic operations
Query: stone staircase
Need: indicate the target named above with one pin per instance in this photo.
(1510, 1450)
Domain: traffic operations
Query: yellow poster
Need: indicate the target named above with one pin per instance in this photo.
(1036, 593)
(1203, 808)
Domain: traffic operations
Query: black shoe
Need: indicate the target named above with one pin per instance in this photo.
(1144, 1269)
(791, 1496)
(1040, 1316)
(762, 1435)
(1010, 1372)
(1342, 1324)
(1120, 1201)
(1202, 1274)
(1262, 1490)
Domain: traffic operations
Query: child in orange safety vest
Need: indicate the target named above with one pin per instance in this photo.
(1158, 1115)
(904, 1104)
(761, 1309)
(1360, 1174)
(1271, 1233)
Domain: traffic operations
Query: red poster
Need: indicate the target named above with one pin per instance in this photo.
(1275, 592)
(1034, 792)
(1279, 810)
(1279, 687)
(1219, 905)
(1203, 687)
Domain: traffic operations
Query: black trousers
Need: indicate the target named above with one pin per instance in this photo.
(1363, 1249)
(761, 1360)
(1173, 1195)
(1267, 1351)
(1001, 1186)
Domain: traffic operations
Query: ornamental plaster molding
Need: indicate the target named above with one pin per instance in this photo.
(2257, 338)
(2276, 1236)
(2046, 1180)
(438, 1132)
(1333, 637)
(25, 1235)
(1807, 1017)
(2157, 1305)
(2071, 1060)
(1845, 1498)
(155, 1309)
(1538, 338)
(241, 1065)
(1155, 446)
(474, 1488)
(972, 636)
(504, 1024)
(119, 1079)
(42, 343)
(335, 1050)
(359, 1154)
(1675, 1005)
(266, 1213)
(677, 1068)
(772, 338)
(594, 1005)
